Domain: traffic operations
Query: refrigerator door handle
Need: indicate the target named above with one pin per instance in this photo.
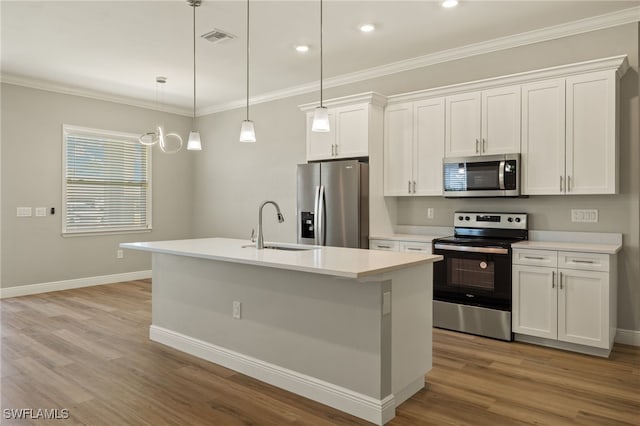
(316, 212)
(320, 216)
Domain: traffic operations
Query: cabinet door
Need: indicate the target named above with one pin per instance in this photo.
(462, 133)
(501, 121)
(352, 131)
(534, 305)
(398, 151)
(428, 136)
(320, 144)
(591, 134)
(583, 307)
(543, 134)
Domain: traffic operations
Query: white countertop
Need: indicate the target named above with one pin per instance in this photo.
(568, 246)
(405, 237)
(335, 261)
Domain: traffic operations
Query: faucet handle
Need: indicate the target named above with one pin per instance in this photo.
(253, 235)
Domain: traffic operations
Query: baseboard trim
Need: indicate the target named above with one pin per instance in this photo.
(378, 411)
(567, 346)
(26, 290)
(628, 337)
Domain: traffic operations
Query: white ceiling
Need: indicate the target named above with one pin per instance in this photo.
(117, 48)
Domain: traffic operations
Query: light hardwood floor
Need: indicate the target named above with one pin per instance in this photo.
(87, 350)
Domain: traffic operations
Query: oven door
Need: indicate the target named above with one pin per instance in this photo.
(479, 276)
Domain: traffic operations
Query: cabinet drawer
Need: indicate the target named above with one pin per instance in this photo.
(583, 261)
(384, 245)
(546, 258)
(415, 247)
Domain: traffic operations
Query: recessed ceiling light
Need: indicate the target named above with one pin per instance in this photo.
(303, 48)
(449, 3)
(367, 28)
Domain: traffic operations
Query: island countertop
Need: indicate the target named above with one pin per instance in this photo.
(334, 261)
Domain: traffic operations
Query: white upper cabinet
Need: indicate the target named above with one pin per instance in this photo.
(483, 123)
(413, 148)
(543, 132)
(398, 149)
(569, 135)
(591, 144)
(352, 119)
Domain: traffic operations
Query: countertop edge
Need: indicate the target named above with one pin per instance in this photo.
(567, 246)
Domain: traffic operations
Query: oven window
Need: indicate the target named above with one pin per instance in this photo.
(471, 273)
(483, 175)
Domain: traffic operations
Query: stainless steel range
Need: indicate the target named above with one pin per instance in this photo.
(472, 285)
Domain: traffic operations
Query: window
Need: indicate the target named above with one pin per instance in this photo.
(106, 182)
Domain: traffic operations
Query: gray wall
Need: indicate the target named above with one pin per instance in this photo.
(232, 178)
(33, 249)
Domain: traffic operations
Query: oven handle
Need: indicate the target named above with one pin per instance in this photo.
(453, 247)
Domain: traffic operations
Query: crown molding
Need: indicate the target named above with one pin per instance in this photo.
(372, 98)
(619, 64)
(91, 94)
(622, 17)
(613, 19)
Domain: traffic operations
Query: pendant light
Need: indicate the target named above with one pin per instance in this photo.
(194, 144)
(321, 114)
(247, 131)
(169, 143)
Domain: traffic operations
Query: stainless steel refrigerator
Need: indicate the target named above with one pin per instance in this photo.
(333, 204)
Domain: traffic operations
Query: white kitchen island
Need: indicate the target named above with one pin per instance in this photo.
(348, 328)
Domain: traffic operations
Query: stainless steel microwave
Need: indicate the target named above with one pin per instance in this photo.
(482, 176)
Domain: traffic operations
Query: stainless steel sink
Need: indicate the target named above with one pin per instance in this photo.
(281, 247)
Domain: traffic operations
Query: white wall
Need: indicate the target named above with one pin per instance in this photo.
(232, 178)
(33, 249)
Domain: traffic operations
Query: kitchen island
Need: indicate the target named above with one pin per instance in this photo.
(345, 327)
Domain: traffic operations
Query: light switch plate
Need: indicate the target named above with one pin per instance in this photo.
(584, 215)
(23, 211)
(41, 211)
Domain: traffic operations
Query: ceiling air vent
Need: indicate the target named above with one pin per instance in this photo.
(217, 36)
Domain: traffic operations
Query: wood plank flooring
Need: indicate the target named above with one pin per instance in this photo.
(87, 350)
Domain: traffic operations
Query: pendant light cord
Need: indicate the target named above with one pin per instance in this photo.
(247, 60)
(194, 60)
(321, 61)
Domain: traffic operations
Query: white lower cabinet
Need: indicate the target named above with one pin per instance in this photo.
(565, 297)
(397, 245)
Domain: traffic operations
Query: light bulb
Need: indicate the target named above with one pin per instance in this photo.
(320, 120)
(194, 144)
(247, 132)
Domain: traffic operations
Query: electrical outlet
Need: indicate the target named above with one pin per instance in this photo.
(23, 211)
(119, 254)
(41, 211)
(584, 215)
(430, 213)
(237, 309)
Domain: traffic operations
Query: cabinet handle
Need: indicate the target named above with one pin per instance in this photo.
(534, 257)
(560, 280)
(484, 145)
(553, 279)
(568, 183)
(384, 247)
(414, 186)
(560, 183)
(332, 150)
(591, 262)
(414, 249)
(409, 186)
(477, 145)
(336, 149)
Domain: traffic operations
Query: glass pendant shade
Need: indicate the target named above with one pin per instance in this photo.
(320, 120)
(193, 144)
(247, 132)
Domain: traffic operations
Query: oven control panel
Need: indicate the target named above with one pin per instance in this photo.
(490, 220)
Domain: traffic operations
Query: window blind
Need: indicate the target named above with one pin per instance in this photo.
(106, 182)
